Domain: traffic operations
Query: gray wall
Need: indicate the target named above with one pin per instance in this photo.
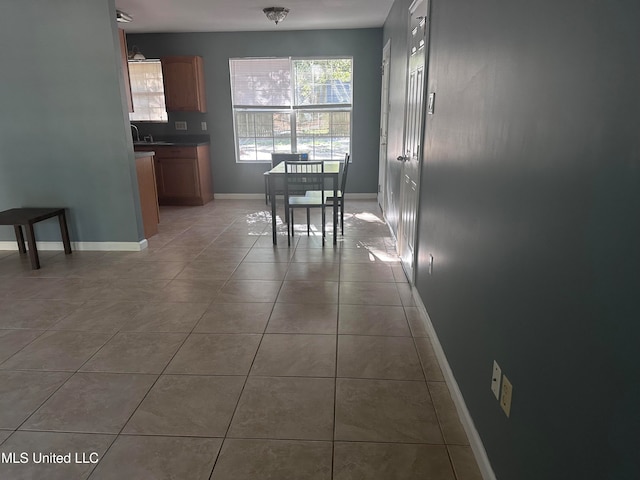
(530, 204)
(64, 139)
(365, 45)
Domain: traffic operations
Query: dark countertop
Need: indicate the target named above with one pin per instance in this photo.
(161, 143)
(174, 141)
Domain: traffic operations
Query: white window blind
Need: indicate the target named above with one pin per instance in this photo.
(291, 105)
(147, 91)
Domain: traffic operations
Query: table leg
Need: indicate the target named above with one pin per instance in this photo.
(33, 251)
(335, 209)
(272, 196)
(62, 218)
(20, 239)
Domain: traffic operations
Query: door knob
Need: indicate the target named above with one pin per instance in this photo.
(402, 158)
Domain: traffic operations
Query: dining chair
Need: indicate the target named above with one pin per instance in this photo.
(277, 158)
(304, 186)
(328, 194)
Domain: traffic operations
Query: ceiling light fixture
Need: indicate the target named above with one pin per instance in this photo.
(123, 17)
(135, 54)
(276, 14)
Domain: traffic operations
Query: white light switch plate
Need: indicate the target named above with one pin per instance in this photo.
(495, 379)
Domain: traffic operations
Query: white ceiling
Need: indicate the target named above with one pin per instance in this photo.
(247, 15)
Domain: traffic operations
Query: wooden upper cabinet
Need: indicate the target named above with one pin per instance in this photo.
(184, 89)
(124, 55)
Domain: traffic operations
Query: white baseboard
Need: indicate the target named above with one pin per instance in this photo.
(465, 417)
(84, 246)
(260, 196)
(239, 196)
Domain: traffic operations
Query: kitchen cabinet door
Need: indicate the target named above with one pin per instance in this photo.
(184, 88)
(178, 180)
(124, 56)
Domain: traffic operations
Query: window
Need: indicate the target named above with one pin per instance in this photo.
(147, 91)
(291, 105)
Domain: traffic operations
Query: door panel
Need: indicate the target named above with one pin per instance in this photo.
(413, 134)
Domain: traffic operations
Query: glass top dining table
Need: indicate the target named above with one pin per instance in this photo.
(331, 171)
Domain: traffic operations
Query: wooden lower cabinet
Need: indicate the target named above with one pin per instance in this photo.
(148, 195)
(183, 174)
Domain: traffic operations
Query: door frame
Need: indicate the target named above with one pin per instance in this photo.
(402, 235)
(384, 127)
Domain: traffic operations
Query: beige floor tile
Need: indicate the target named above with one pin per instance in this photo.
(92, 403)
(260, 271)
(235, 318)
(406, 295)
(308, 292)
(100, 316)
(366, 293)
(187, 405)
(373, 320)
(313, 272)
(134, 290)
(166, 317)
(285, 408)
(57, 350)
(215, 354)
(464, 463)
(264, 255)
(73, 290)
(385, 461)
(369, 255)
(366, 272)
(273, 459)
(233, 240)
(385, 411)
(158, 458)
(249, 291)
(37, 443)
(4, 434)
(328, 254)
(132, 352)
(301, 318)
(191, 290)
(21, 393)
(429, 361)
(38, 314)
(391, 358)
(452, 429)
(12, 341)
(416, 322)
(210, 269)
(228, 255)
(285, 355)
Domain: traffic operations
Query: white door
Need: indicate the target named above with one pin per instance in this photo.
(384, 127)
(413, 134)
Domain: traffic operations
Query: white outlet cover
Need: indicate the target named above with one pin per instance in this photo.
(203, 126)
(506, 396)
(495, 380)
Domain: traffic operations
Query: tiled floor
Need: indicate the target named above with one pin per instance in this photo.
(213, 354)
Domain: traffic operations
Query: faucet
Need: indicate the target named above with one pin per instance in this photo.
(137, 132)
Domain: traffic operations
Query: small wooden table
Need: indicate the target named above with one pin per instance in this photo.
(26, 217)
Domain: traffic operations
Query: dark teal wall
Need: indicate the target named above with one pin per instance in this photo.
(530, 205)
(364, 45)
(64, 139)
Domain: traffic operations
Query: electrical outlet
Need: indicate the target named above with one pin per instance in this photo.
(495, 380)
(507, 394)
(203, 126)
(181, 125)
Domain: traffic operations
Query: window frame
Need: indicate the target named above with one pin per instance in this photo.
(292, 109)
(147, 93)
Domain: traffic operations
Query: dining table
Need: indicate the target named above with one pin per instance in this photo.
(277, 173)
